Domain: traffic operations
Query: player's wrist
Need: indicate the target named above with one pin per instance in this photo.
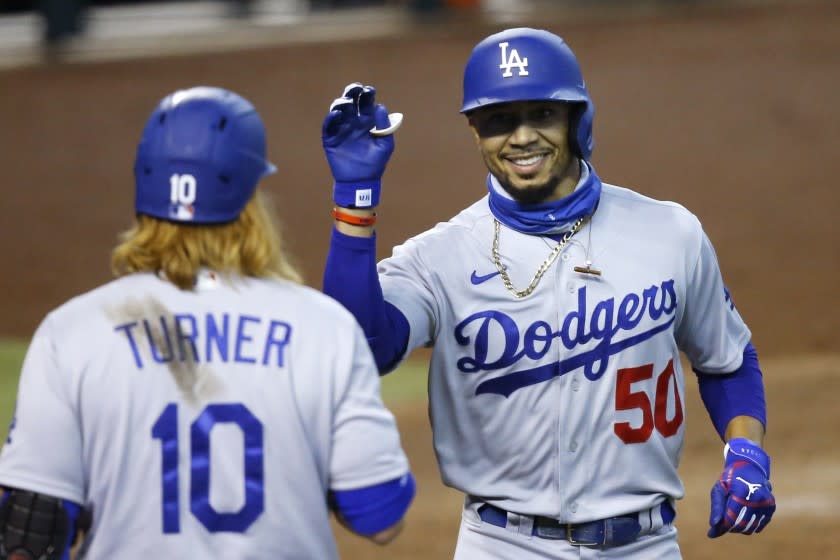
(747, 450)
(353, 211)
(356, 222)
(354, 216)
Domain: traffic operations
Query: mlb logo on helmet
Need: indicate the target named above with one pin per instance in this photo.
(181, 213)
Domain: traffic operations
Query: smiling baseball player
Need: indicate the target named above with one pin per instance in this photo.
(204, 404)
(557, 307)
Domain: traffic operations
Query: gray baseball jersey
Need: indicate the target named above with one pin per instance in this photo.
(569, 402)
(205, 424)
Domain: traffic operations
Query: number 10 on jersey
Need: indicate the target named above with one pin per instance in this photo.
(166, 430)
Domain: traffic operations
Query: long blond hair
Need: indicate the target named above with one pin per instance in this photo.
(251, 245)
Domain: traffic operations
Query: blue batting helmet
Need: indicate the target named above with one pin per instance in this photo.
(200, 158)
(526, 64)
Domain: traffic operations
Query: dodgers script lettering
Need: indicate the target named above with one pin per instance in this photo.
(579, 327)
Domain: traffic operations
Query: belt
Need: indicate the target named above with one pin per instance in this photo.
(613, 531)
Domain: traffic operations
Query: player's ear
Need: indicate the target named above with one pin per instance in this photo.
(471, 123)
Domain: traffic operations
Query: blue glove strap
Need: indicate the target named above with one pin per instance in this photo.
(357, 194)
(744, 449)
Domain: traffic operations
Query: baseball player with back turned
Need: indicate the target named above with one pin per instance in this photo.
(557, 307)
(204, 404)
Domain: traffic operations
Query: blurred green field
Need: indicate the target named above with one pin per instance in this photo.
(404, 385)
(11, 358)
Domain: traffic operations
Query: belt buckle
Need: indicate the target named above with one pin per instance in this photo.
(572, 541)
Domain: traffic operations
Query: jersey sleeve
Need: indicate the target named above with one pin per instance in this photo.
(711, 333)
(43, 451)
(366, 446)
(406, 285)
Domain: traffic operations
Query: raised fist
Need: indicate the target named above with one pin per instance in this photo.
(742, 498)
(358, 141)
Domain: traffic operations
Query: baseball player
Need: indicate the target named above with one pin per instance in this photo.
(204, 404)
(557, 307)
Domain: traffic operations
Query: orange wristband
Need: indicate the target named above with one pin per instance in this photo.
(353, 220)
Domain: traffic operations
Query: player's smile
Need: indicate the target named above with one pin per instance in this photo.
(527, 165)
(525, 146)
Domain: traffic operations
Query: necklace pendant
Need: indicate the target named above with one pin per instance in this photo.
(587, 270)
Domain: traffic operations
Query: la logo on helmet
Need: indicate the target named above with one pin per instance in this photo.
(513, 60)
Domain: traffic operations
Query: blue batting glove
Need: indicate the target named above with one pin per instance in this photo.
(356, 157)
(742, 499)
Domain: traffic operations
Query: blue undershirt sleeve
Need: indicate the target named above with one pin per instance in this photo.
(350, 277)
(374, 508)
(740, 393)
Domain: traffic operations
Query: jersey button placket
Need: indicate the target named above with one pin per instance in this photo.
(565, 285)
(559, 460)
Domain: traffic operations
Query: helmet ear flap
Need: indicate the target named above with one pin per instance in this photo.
(580, 129)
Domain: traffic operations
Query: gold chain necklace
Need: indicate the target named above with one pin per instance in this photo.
(546, 264)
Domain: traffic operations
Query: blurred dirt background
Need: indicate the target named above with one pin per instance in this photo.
(731, 111)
